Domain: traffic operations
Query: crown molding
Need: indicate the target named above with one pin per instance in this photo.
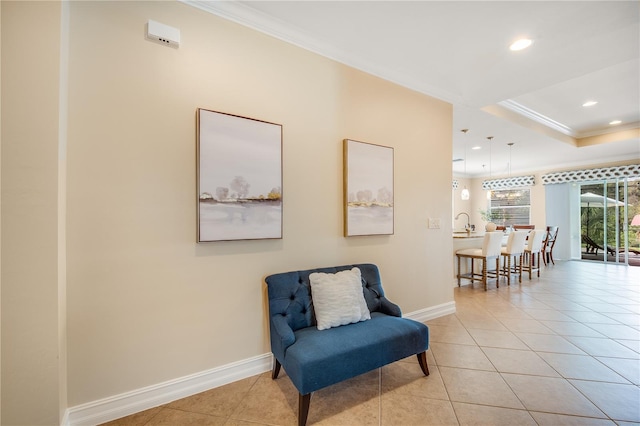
(537, 117)
(259, 21)
(609, 130)
(559, 127)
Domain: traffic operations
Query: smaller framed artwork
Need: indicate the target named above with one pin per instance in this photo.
(368, 189)
(239, 182)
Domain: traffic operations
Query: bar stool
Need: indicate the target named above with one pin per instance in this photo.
(533, 251)
(514, 249)
(548, 244)
(490, 250)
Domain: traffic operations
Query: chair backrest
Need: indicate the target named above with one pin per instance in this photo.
(517, 241)
(518, 227)
(535, 240)
(492, 244)
(290, 293)
(589, 242)
(550, 240)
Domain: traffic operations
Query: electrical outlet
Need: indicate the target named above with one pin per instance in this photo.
(434, 223)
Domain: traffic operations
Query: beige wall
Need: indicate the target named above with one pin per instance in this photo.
(477, 201)
(460, 205)
(147, 304)
(0, 214)
(33, 371)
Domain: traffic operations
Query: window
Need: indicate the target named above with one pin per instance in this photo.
(510, 206)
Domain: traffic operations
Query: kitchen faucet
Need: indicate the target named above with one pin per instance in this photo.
(468, 225)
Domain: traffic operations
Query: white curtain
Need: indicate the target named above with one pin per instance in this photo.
(562, 208)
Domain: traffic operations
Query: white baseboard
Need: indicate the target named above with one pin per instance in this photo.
(125, 404)
(65, 418)
(433, 312)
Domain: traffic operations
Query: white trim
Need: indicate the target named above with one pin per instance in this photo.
(432, 312)
(537, 117)
(61, 226)
(65, 418)
(132, 402)
(611, 129)
(264, 23)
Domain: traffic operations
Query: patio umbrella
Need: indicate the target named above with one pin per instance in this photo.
(589, 199)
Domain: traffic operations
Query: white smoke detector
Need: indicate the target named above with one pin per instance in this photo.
(163, 34)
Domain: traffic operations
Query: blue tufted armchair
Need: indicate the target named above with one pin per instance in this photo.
(314, 359)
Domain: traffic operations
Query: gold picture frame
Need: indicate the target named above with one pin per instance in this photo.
(368, 189)
(239, 178)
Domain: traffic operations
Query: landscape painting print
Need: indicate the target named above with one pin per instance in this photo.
(239, 178)
(368, 191)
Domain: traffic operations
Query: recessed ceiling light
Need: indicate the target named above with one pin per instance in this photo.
(476, 147)
(523, 43)
(615, 122)
(589, 103)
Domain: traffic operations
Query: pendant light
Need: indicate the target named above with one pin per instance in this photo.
(464, 194)
(489, 191)
(510, 145)
(512, 193)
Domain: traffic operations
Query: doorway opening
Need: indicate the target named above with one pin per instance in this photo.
(607, 211)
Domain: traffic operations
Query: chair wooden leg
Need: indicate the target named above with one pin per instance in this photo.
(508, 271)
(459, 271)
(303, 408)
(535, 263)
(520, 269)
(422, 360)
(484, 274)
(276, 369)
(473, 270)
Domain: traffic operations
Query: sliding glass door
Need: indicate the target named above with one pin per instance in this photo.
(606, 210)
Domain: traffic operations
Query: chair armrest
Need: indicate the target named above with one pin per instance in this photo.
(281, 336)
(389, 308)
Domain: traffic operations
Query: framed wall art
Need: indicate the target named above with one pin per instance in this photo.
(368, 189)
(239, 182)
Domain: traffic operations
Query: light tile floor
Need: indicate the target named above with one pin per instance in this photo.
(561, 349)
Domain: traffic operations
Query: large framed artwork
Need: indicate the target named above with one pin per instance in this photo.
(368, 189)
(239, 168)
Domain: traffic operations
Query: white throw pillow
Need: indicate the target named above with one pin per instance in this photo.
(338, 298)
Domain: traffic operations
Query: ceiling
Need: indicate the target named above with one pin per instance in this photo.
(459, 52)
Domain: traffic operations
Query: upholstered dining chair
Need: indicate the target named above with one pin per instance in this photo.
(514, 250)
(548, 243)
(532, 251)
(490, 251)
